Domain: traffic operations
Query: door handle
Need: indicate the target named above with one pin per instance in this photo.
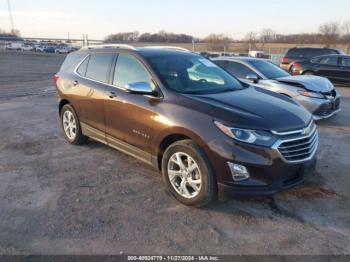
(75, 83)
(111, 94)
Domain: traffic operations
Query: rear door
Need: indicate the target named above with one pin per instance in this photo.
(345, 70)
(329, 66)
(93, 79)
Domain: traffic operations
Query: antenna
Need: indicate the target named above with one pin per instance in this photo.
(11, 17)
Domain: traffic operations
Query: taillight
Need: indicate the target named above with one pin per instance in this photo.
(55, 79)
(296, 65)
(285, 60)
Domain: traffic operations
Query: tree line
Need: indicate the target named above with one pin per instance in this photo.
(329, 34)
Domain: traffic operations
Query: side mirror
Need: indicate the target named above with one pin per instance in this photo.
(253, 78)
(139, 88)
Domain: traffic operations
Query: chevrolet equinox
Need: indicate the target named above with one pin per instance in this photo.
(209, 134)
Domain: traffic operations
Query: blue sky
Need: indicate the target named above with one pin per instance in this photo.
(235, 18)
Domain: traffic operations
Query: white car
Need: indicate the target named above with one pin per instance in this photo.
(62, 50)
(27, 48)
(14, 46)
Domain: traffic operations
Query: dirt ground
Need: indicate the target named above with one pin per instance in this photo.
(61, 199)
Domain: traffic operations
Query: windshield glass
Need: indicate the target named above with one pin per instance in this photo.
(192, 74)
(268, 69)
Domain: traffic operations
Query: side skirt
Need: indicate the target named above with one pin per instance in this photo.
(122, 146)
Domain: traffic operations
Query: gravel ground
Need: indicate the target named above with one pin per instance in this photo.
(61, 199)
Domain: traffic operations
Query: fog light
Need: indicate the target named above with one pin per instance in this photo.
(239, 173)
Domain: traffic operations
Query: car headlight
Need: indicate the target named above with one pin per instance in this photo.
(310, 94)
(255, 137)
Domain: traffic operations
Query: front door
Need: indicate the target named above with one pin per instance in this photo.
(129, 116)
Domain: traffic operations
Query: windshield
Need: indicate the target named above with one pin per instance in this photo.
(192, 74)
(268, 69)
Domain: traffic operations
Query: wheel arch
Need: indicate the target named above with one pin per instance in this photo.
(62, 103)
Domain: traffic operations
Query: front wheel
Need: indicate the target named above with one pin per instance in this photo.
(188, 175)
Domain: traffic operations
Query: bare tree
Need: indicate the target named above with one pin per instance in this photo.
(267, 36)
(346, 29)
(330, 33)
(218, 41)
(251, 38)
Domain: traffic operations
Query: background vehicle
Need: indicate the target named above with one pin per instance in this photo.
(62, 50)
(27, 48)
(50, 49)
(14, 46)
(207, 134)
(335, 67)
(316, 94)
(299, 54)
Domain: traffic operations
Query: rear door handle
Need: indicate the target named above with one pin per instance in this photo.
(75, 83)
(111, 94)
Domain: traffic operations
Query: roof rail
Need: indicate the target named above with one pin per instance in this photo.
(169, 47)
(108, 46)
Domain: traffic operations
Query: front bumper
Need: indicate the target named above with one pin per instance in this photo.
(320, 108)
(269, 171)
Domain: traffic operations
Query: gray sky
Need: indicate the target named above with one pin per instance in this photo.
(46, 18)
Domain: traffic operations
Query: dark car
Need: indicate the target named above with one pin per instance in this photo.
(335, 67)
(209, 134)
(300, 54)
(50, 49)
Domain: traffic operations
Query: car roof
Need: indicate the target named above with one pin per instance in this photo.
(143, 51)
(335, 55)
(239, 58)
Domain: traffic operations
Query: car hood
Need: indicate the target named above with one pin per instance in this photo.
(311, 83)
(252, 108)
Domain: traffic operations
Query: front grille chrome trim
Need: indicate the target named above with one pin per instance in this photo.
(300, 152)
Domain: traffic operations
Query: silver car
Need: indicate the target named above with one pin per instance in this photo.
(316, 94)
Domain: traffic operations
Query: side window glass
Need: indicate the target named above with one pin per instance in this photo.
(331, 60)
(239, 70)
(98, 66)
(129, 70)
(345, 61)
(83, 66)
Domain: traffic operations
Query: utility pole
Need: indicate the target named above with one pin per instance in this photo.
(11, 17)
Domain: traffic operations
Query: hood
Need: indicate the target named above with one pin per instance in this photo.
(311, 83)
(252, 108)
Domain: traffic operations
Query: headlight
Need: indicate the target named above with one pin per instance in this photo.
(310, 94)
(255, 137)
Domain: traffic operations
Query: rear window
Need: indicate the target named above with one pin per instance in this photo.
(98, 66)
(72, 60)
(309, 52)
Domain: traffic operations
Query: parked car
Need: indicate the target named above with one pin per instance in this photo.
(14, 46)
(300, 54)
(27, 48)
(207, 137)
(62, 50)
(335, 67)
(39, 48)
(50, 49)
(316, 94)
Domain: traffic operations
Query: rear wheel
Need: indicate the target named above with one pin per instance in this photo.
(71, 126)
(187, 174)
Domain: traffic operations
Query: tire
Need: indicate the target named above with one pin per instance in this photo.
(308, 73)
(69, 117)
(202, 176)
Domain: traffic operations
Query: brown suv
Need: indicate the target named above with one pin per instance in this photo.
(209, 134)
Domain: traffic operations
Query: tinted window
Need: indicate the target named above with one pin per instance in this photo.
(330, 60)
(189, 73)
(309, 52)
(268, 69)
(345, 61)
(129, 70)
(83, 66)
(98, 66)
(239, 70)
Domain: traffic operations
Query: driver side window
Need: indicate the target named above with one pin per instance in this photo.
(239, 70)
(129, 70)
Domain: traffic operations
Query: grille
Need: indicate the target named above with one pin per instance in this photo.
(299, 149)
